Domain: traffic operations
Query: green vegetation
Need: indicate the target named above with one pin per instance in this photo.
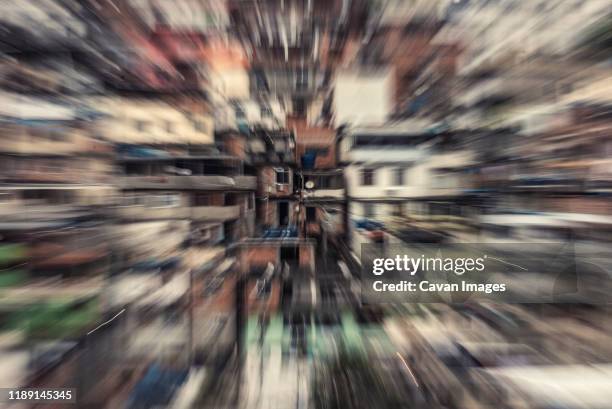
(10, 278)
(55, 320)
(11, 253)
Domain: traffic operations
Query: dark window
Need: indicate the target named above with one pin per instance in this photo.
(231, 199)
(367, 177)
(311, 214)
(251, 201)
(266, 112)
(368, 210)
(442, 208)
(499, 231)
(301, 82)
(283, 213)
(260, 81)
(318, 151)
(202, 200)
(239, 111)
(299, 107)
(289, 254)
(376, 141)
(398, 176)
(282, 176)
(142, 126)
(134, 169)
(328, 182)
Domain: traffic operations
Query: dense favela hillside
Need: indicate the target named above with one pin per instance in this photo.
(194, 195)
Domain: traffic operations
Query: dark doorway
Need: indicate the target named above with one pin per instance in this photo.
(289, 262)
(289, 254)
(229, 231)
(283, 213)
(311, 214)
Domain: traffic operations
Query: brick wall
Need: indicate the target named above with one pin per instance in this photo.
(235, 145)
(307, 257)
(258, 257)
(208, 199)
(318, 138)
(267, 183)
(266, 212)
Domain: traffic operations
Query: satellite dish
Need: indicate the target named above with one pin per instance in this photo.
(309, 184)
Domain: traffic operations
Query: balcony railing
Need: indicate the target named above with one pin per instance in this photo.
(200, 213)
(214, 213)
(327, 193)
(246, 182)
(188, 182)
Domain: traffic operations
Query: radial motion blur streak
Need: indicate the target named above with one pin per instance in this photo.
(186, 186)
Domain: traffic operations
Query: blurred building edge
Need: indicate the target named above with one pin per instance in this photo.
(106, 269)
(395, 173)
(56, 179)
(117, 216)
